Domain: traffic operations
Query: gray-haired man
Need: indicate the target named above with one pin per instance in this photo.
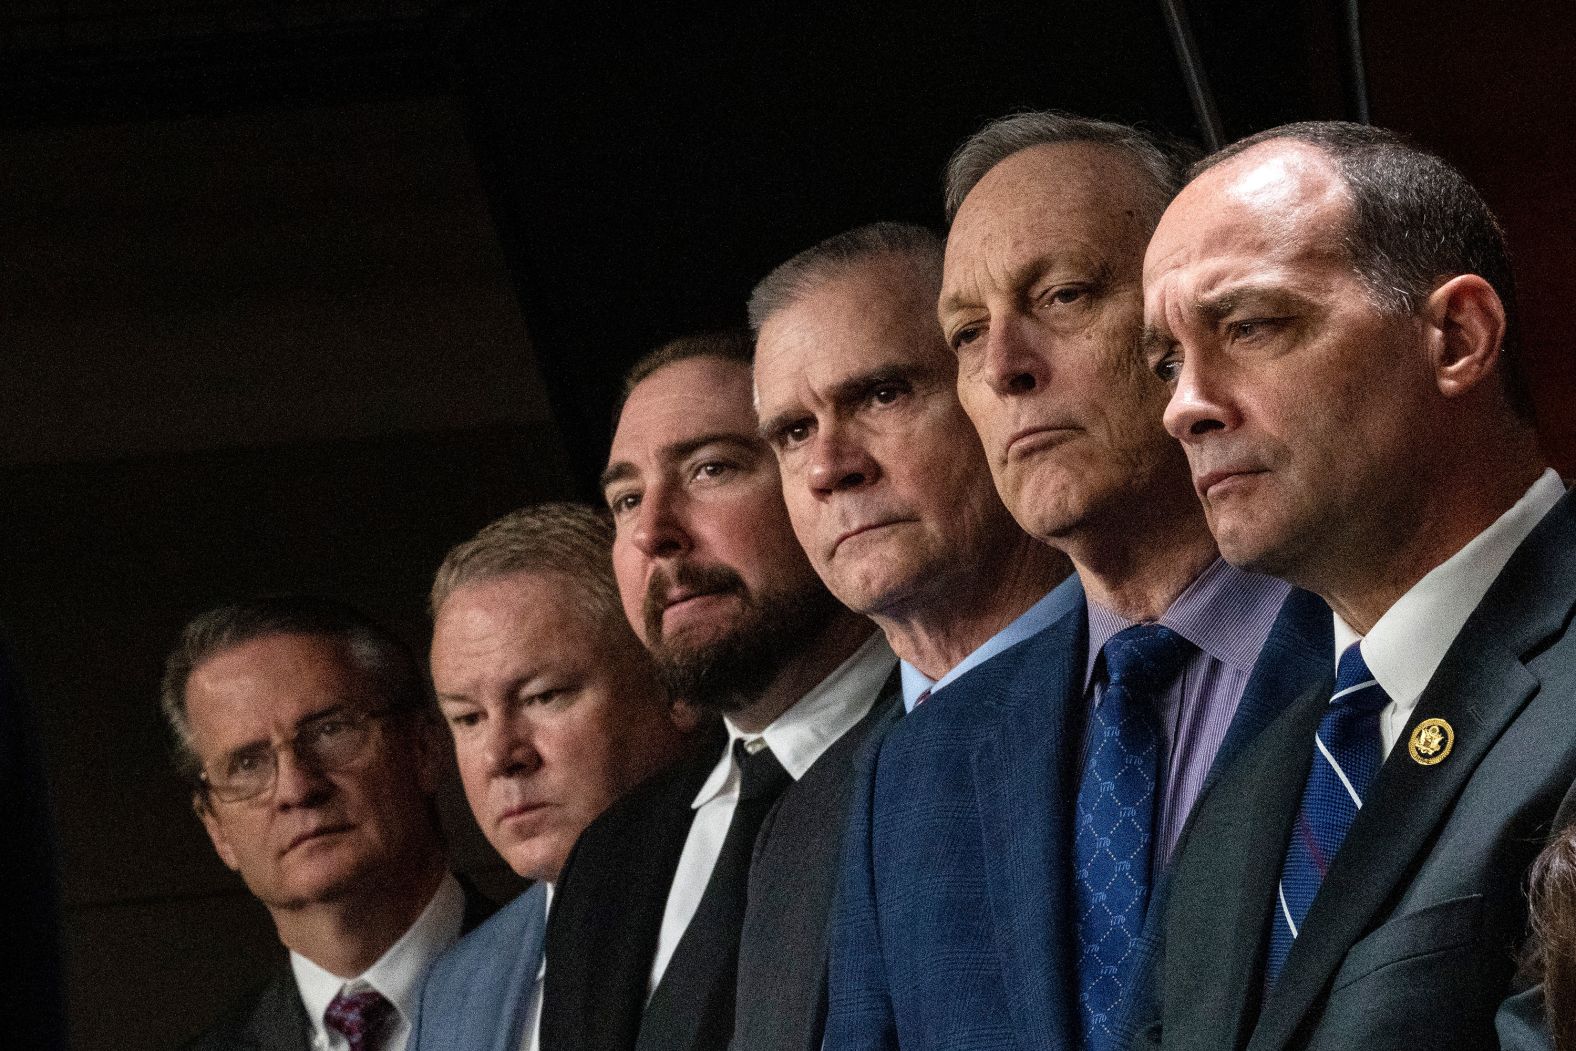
(306, 732)
(1002, 860)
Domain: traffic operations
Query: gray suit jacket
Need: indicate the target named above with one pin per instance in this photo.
(274, 1019)
(781, 1003)
(1413, 937)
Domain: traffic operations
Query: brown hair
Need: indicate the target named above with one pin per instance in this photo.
(1552, 898)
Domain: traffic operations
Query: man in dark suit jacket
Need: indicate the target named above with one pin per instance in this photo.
(306, 732)
(975, 905)
(644, 938)
(1332, 307)
(891, 498)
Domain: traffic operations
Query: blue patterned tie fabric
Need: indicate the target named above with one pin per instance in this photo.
(358, 1017)
(1116, 818)
(1347, 751)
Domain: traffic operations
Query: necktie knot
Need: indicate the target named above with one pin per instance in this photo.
(761, 776)
(1144, 657)
(1355, 685)
(358, 1017)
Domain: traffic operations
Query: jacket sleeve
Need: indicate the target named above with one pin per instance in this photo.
(859, 1002)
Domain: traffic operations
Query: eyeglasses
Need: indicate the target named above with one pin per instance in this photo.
(330, 742)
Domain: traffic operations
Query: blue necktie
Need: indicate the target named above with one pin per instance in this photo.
(1116, 818)
(1347, 751)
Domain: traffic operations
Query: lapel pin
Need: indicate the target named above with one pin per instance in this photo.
(1431, 741)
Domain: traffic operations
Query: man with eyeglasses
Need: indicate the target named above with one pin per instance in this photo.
(305, 732)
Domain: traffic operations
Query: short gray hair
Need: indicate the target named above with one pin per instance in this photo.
(837, 255)
(368, 647)
(570, 539)
(1163, 160)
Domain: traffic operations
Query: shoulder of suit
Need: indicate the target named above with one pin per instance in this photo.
(490, 946)
(277, 1004)
(670, 791)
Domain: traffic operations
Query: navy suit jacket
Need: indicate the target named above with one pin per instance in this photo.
(953, 927)
(477, 995)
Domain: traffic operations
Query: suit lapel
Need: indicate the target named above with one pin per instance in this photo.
(1480, 686)
(1223, 909)
(1296, 655)
(515, 987)
(1022, 770)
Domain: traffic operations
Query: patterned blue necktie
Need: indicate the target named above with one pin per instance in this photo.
(1347, 751)
(1116, 818)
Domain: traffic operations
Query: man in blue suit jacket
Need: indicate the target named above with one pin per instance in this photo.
(555, 712)
(887, 488)
(976, 906)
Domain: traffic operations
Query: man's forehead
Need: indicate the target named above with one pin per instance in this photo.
(1279, 202)
(682, 404)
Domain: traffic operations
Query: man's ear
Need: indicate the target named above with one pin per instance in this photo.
(216, 833)
(1466, 330)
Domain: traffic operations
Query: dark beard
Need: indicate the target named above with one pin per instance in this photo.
(731, 672)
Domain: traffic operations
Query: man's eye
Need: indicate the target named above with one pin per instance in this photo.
(793, 434)
(622, 503)
(886, 394)
(1253, 328)
(245, 763)
(964, 336)
(712, 469)
(1168, 368)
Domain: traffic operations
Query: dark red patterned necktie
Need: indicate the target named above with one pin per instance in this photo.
(358, 1017)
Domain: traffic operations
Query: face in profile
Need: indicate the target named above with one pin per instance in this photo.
(1294, 395)
(883, 474)
(554, 711)
(316, 834)
(710, 574)
(1041, 301)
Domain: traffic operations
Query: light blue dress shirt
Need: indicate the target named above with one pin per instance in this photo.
(1029, 622)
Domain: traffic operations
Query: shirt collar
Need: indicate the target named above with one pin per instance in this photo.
(1029, 622)
(1226, 612)
(798, 736)
(397, 974)
(1406, 645)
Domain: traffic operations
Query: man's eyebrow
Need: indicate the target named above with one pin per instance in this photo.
(616, 472)
(623, 469)
(1153, 340)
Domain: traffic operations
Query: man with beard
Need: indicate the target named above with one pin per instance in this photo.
(644, 938)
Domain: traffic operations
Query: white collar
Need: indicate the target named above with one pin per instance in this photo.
(398, 973)
(1406, 645)
(798, 736)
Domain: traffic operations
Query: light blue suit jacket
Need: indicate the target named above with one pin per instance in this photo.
(952, 930)
(478, 994)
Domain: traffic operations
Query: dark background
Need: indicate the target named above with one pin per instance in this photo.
(297, 294)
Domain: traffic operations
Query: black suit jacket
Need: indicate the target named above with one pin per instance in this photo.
(274, 1019)
(607, 908)
(1413, 937)
(783, 949)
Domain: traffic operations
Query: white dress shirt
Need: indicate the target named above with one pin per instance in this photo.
(797, 738)
(1406, 645)
(397, 974)
(533, 1011)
